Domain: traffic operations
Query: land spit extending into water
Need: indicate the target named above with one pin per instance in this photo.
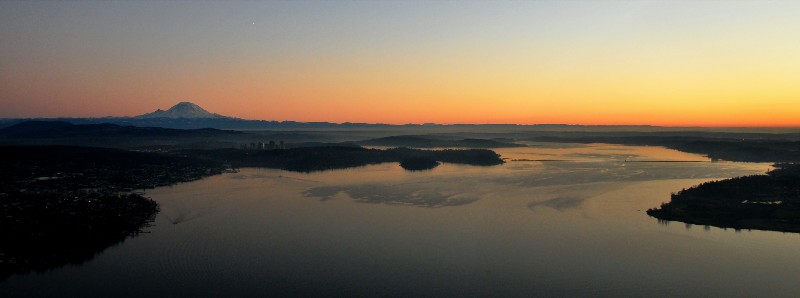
(760, 148)
(309, 159)
(64, 204)
(758, 202)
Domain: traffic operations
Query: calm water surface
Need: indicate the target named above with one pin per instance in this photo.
(561, 220)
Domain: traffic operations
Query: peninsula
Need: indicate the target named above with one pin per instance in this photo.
(63, 205)
(320, 158)
(758, 202)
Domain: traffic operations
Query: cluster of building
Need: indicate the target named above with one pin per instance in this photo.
(264, 146)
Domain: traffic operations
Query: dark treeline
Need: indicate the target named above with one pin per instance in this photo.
(63, 205)
(432, 142)
(309, 159)
(168, 139)
(418, 163)
(747, 150)
(764, 202)
(115, 136)
(59, 129)
(89, 167)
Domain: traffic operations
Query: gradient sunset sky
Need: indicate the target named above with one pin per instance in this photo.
(674, 63)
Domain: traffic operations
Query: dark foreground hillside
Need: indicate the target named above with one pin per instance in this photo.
(115, 136)
(762, 202)
(63, 205)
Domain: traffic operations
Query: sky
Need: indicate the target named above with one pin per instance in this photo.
(670, 63)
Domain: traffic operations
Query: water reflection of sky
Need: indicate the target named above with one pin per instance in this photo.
(527, 228)
(537, 166)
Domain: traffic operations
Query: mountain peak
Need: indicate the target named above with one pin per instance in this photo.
(182, 109)
(185, 104)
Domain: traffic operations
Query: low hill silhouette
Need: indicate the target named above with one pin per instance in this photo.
(433, 142)
(110, 135)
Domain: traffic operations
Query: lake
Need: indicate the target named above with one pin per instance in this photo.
(555, 220)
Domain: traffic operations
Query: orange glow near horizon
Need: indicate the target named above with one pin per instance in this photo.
(606, 63)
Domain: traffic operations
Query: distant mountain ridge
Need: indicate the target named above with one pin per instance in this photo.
(182, 110)
(61, 129)
(430, 142)
(34, 133)
(187, 115)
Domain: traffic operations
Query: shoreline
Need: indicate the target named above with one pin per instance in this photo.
(64, 205)
(769, 202)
